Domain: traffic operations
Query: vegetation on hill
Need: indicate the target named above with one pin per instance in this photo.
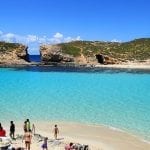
(5, 47)
(138, 49)
(70, 49)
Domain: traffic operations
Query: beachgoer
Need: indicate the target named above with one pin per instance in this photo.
(28, 125)
(12, 130)
(33, 129)
(25, 126)
(69, 146)
(56, 132)
(27, 138)
(2, 132)
(44, 145)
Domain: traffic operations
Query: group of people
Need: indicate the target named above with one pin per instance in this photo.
(72, 146)
(28, 132)
(12, 130)
(56, 132)
(27, 126)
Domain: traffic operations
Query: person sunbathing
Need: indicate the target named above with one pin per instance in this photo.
(69, 146)
(2, 132)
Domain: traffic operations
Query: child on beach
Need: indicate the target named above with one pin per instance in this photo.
(44, 145)
(56, 132)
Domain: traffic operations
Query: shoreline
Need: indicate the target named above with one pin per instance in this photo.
(98, 137)
(95, 67)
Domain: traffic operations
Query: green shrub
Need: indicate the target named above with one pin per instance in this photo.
(71, 50)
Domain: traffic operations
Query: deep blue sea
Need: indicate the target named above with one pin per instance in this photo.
(34, 58)
(115, 98)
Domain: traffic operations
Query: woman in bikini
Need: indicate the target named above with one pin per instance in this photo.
(27, 138)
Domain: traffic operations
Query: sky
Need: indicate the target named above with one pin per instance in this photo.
(33, 22)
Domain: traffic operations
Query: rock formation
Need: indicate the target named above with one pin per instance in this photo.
(53, 53)
(80, 52)
(104, 59)
(12, 54)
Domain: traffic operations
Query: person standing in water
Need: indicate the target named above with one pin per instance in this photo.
(56, 131)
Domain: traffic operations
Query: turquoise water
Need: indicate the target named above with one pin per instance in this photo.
(117, 99)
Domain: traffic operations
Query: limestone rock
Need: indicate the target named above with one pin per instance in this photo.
(53, 53)
(15, 54)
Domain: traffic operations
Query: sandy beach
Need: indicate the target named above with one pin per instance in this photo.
(97, 137)
(128, 65)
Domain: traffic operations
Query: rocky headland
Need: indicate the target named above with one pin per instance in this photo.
(97, 53)
(13, 53)
(80, 53)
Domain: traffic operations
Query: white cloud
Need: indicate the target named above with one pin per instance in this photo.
(115, 40)
(34, 41)
(9, 37)
(31, 38)
(55, 40)
(43, 39)
(68, 39)
(58, 35)
(27, 39)
(78, 38)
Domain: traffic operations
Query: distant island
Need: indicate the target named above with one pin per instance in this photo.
(79, 53)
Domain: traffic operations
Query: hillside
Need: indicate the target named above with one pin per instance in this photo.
(91, 51)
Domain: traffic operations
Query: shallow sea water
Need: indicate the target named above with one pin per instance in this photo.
(115, 98)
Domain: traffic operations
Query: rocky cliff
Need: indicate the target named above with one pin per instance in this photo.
(12, 53)
(95, 52)
(53, 53)
(80, 52)
(59, 54)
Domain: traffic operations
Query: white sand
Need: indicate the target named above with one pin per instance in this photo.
(130, 65)
(97, 137)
